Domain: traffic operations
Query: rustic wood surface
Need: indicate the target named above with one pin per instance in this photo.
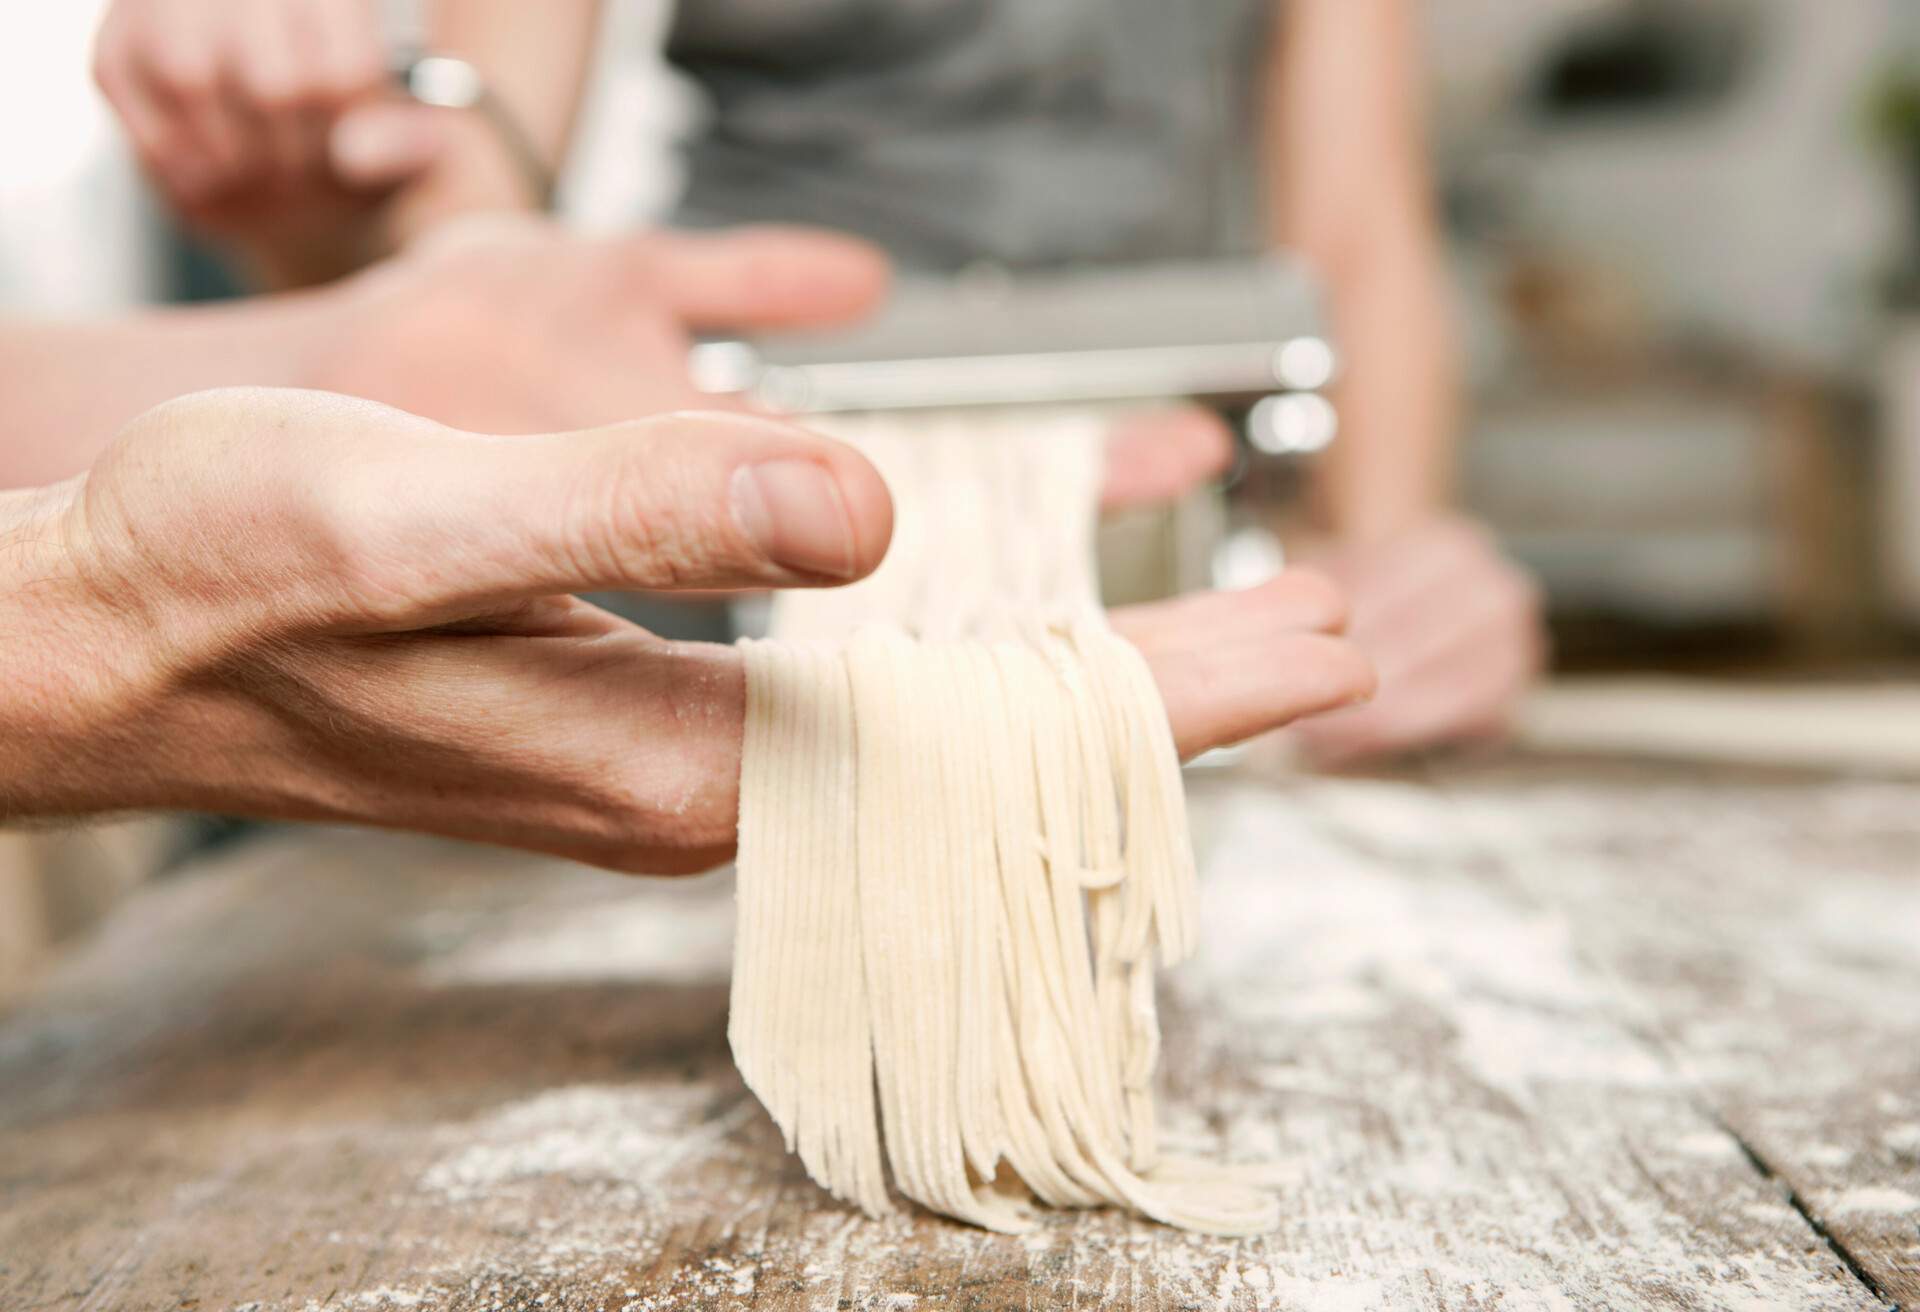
(1518, 1035)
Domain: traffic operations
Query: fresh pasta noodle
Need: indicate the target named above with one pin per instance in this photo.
(963, 854)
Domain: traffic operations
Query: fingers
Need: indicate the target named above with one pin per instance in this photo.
(437, 525)
(759, 277)
(263, 61)
(382, 143)
(369, 142)
(1231, 665)
(584, 737)
(1162, 455)
(146, 69)
(343, 49)
(226, 98)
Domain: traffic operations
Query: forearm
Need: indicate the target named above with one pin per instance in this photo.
(1398, 399)
(535, 59)
(70, 387)
(1349, 190)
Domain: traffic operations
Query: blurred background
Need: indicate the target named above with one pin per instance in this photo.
(1686, 253)
(1685, 240)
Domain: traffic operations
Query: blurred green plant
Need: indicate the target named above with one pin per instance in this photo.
(1893, 110)
(1893, 123)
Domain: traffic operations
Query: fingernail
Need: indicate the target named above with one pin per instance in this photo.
(793, 510)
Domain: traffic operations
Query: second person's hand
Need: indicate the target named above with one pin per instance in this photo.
(509, 324)
(270, 124)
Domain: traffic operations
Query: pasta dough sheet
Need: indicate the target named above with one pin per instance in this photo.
(963, 854)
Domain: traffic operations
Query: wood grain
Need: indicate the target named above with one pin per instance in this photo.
(1772, 948)
(1505, 1037)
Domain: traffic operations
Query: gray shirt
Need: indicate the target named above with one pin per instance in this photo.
(1026, 132)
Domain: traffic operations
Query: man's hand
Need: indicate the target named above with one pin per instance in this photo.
(295, 605)
(298, 605)
(1455, 631)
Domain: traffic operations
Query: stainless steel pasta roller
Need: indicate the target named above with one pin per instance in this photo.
(1233, 333)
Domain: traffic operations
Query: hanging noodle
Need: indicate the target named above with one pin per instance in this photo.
(964, 852)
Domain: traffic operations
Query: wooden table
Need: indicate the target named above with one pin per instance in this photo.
(1520, 1035)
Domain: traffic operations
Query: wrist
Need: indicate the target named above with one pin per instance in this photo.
(78, 673)
(474, 174)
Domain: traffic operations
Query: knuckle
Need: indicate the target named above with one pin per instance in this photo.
(346, 73)
(271, 540)
(622, 527)
(344, 545)
(184, 72)
(270, 86)
(325, 81)
(331, 86)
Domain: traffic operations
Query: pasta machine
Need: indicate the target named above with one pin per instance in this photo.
(1241, 336)
(1229, 332)
(1236, 334)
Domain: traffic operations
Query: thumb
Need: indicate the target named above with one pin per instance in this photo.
(447, 522)
(383, 143)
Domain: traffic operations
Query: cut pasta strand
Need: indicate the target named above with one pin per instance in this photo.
(963, 853)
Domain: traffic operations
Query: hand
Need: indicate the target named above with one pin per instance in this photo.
(510, 325)
(290, 604)
(1455, 631)
(269, 119)
(294, 605)
(1232, 665)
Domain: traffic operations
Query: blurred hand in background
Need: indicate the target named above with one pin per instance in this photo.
(277, 128)
(273, 123)
(1454, 629)
(507, 324)
(501, 324)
